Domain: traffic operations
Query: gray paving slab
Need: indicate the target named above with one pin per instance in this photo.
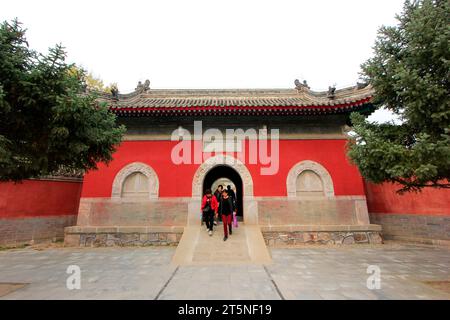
(295, 273)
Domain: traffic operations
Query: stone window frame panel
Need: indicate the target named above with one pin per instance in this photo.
(315, 167)
(131, 168)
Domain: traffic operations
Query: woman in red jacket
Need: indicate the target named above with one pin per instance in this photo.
(209, 210)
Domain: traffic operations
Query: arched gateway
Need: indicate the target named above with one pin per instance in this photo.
(222, 160)
(226, 176)
(224, 166)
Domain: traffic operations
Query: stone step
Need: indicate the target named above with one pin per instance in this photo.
(245, 246)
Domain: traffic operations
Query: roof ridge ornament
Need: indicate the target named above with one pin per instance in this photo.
(141, 88)
(115, 92)
(301, 87)
(331, 92)
(361, 85)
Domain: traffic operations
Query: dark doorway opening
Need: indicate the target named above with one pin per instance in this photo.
(226, 172)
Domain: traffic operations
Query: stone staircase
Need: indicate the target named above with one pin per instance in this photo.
(245, 246)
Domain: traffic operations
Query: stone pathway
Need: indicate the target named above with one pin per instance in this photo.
(318, 272)
(214, 250)
(327, 273)
(106, 273)
(245, 246)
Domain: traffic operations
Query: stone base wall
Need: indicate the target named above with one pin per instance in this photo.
(339, 210)
(121, 236)
(340, 235)
(119, 212)
(19, 231)
(264, 211)
(414, 227)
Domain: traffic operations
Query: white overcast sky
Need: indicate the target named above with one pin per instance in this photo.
(209, 43)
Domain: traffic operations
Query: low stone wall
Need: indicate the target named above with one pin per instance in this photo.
(121, 236)
(341, 235)
(414, 227)
(19, 231)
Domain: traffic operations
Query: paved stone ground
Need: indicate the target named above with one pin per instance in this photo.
(296, 273)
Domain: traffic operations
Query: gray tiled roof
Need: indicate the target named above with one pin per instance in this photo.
(176, 98)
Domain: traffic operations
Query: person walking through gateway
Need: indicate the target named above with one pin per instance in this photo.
(218, 195)
(209, 210)
(226, 209)
(232, 195)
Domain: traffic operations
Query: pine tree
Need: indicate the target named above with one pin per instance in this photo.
(47, 121)
(410, 72)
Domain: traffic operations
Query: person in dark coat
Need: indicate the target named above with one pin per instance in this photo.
(227, 208)
(209, 209)
(231, 193)
(218, 195)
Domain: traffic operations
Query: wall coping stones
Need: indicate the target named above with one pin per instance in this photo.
(117, 229)
(336, 198)
(58, 179)
(131, 200)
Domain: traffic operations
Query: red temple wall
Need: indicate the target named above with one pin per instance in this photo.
(176, 180)
(37, 210)
(40, 209)
(419, 217)
(384, 199)
(36, 198)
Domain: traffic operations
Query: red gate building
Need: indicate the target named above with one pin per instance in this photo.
(284, 150)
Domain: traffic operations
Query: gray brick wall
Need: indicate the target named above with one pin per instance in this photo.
(37, 229)
(423, 228)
